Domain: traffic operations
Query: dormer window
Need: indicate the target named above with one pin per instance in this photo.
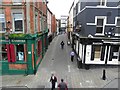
(102, 2)
(117, 31)
(118, 3)
(17, 2)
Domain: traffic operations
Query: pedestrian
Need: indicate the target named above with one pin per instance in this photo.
(62, 85)
(72, 55)
(53, 81)
(62, 44)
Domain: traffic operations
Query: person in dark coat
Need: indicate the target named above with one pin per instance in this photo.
(62, 44)
(53, 81)
(62, 85)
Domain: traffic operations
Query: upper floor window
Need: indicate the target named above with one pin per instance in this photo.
(36, 22)
(119, 3)
(117, 31)
(100, 26)
(118, 22)
(18, 22)
(103, 2)
(0, 2)
(17, 1)
(2, 22)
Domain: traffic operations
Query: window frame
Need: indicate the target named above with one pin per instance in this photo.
(117, 26)
(4, 23)
(101, 1)
(36, 22)
(118, 4)
(20, 11)
(104, 23)
(18, 51)
(111, 53)
(1, 52)
(1, 2)
(15, 2)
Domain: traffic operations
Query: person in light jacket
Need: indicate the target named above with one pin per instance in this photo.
(72, 54)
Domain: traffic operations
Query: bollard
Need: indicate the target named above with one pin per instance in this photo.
(104, 76)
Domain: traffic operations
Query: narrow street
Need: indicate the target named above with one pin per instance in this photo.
(57, 61)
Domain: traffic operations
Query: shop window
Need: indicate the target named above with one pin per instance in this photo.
(20, 52)
(96, 52)
(2, 22)
(18, 22)
(3, 52)
(115, 53)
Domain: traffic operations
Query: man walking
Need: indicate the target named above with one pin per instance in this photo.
(62, 85)
(62, 44)
(72, 55)
(53, 81)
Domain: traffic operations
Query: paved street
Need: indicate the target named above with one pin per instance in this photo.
(58, 61)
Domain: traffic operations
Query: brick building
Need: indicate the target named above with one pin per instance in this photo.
(23, 35)
(51, 20)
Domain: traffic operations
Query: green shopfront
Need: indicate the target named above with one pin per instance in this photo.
(22, 53)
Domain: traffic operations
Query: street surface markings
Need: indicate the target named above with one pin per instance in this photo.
(52, 62)
(81, 84)
(18, 82)
(90, 83)
(68, 68)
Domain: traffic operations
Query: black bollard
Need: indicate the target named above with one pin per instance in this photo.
(104, 76)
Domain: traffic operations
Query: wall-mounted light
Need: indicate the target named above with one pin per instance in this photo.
(6, 35)
(110, 32)
(8, 22)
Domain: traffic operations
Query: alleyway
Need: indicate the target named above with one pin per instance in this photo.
(58, 61)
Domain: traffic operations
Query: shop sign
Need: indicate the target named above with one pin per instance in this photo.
(15, 41)
(97, 43)
(4, 41)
